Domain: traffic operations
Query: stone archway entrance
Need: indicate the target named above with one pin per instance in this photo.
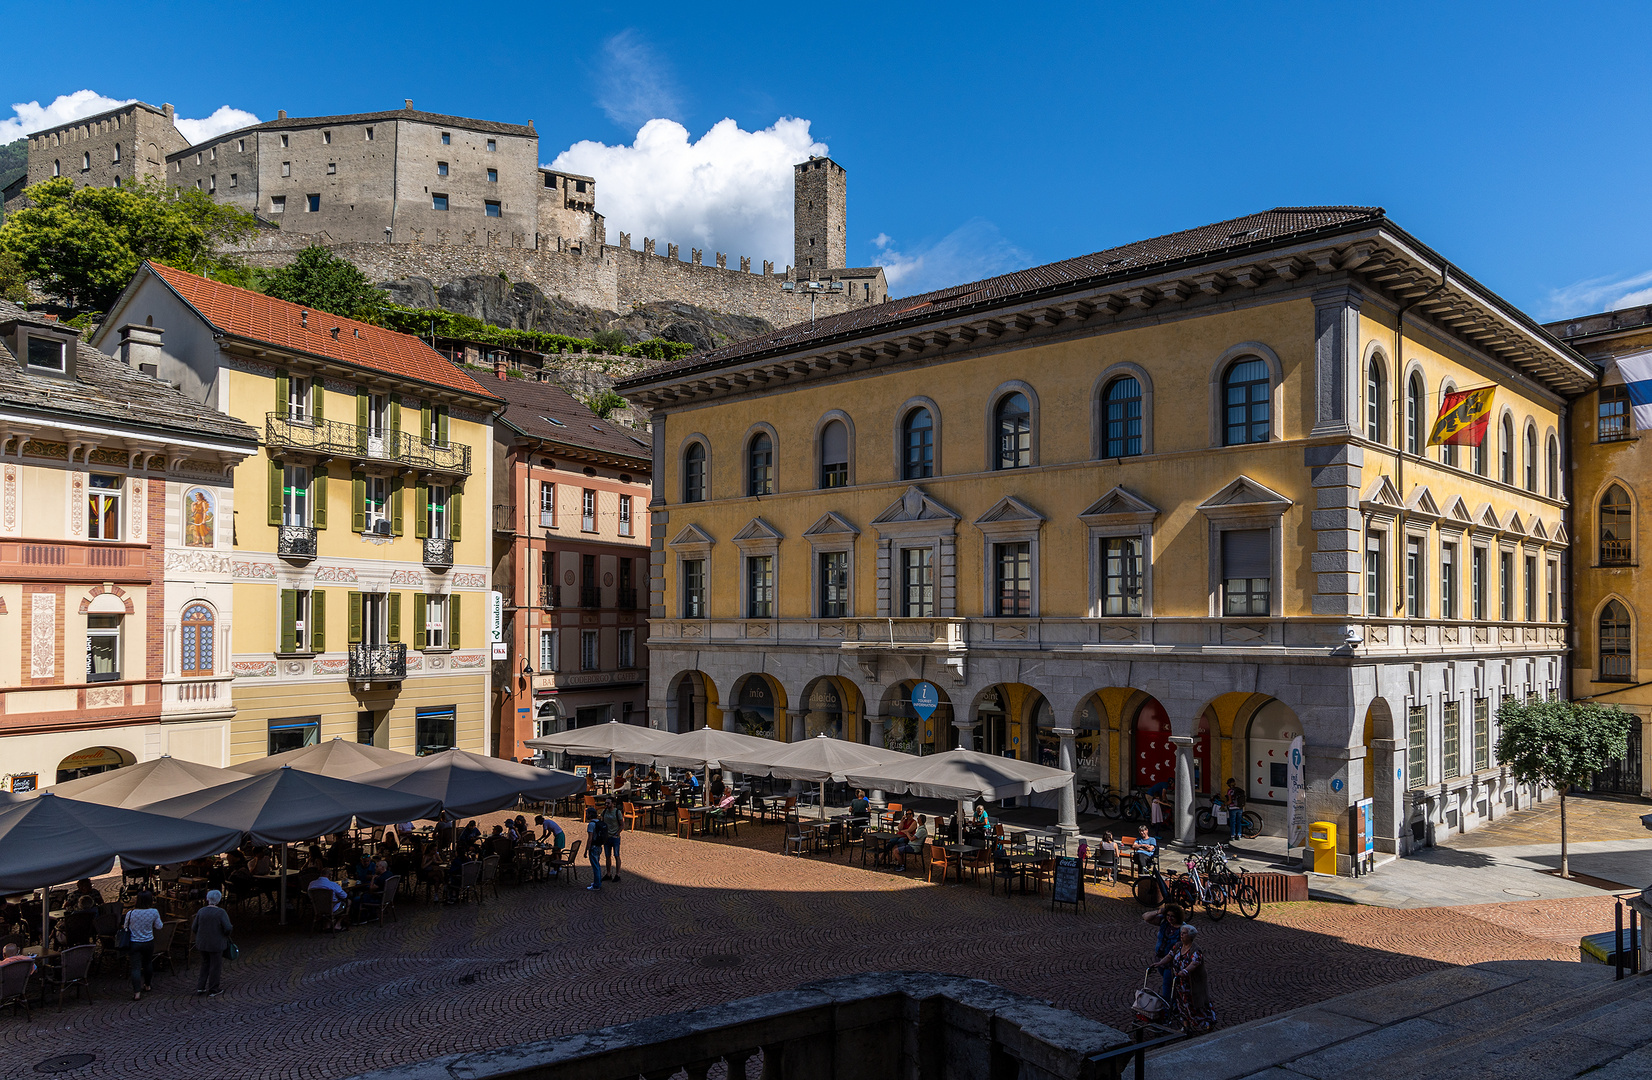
(91, 761)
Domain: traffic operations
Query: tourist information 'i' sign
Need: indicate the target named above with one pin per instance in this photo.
(924, 699)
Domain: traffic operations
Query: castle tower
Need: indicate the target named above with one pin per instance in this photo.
(819, 213)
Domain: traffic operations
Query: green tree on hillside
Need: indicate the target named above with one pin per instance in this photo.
(605, 404)
(1560, 744)
(321, 280)
(83, 245)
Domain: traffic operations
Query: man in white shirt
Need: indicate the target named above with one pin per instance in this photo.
(341, 899)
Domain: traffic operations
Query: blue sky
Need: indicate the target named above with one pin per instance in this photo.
(980, 138)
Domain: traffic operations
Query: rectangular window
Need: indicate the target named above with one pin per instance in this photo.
(240, 146)
(1531, 588)
(447, 137)
(1450, 742)
(588, 510)
(369, 134)
(918, 583)
(627, 648)
(760, 587)
(298, 399)
(212, 182)
(103, 507)
(1121, 572)
(493, 176)
(234, 179)
(278, 204)
(312, 203)
(332, 168)
(1414, 578)
(441, 168)
(589, 651)
(547, 650)
(377, 500)
(1012, 579)
(694, 588)
(435, 621)
(294, 733)
(1477, 584)
(302, 628)
(1614, 422)
(47, 354)
(492, 145)
(284, 142)
(102, 648)
(491, 209)
(1505, 585)
(834, 584)
(435, 510)
(1448, 581)
(286, 167)
(1482, 735)
(1552, 589)
(438, 201)
(434, 730)
(1416, 754)
(625, 515)
(1373, 574)
(579, 187)
(1247, 572)
(326, 138)
(547, 505)
(295, 495)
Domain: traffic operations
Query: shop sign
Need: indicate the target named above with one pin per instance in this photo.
(21, 782)
(496, 620)
(97, 756)
(501, 650)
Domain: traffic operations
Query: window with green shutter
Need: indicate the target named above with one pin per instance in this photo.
(396, 501)
(361, 419)
(354, 634)
(395, 420)
(289, 620)
(316, 393)
(453, 621)
(318, 497)
(275, 492)
(441, 425)
(421, 514)
(318, 621)
(453, 513)
(424, 422)
(418, 620)
(395, 605)
(358, 503)
(281, 390)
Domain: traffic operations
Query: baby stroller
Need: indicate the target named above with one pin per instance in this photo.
(1148, 1005)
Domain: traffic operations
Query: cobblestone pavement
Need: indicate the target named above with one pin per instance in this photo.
(697, 922)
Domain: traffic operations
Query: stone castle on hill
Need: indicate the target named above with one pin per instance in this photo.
(410, 194)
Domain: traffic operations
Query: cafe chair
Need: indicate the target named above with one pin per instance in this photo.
(1106, 859)
(977, 863)
(1042, 873)
(685, 823)
(796, 843)
(163, 945)
(567, 867)
(1002, 871)
(487, 878)
(938, 860)
(321, 910)
(73, 968)
(632, 816)
(14, 988)
(376, 908)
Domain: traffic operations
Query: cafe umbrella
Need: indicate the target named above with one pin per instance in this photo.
(704, 747)
(819, 759)
(614, 740)
(468, 783)
(146, 782)
(289, 805)
(337, 757)
(963, 775)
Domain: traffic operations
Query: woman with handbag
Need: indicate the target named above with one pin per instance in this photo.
(211, 929)
(139, 929)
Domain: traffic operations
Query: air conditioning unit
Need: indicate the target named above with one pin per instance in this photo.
(381, 527)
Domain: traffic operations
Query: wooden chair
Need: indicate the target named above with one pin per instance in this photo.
(488, 878)
(570, 863)
(938, 861)
(14, 987)
(375, 908)
(1041, 873)
(74, 968)
(632, 816)
(322, 910)
(685, 823)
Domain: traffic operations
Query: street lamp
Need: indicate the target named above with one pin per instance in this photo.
(814, 289)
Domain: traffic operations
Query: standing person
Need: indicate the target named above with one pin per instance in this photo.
(212, 928)
(1234, 799)
(141, 923)
(1192, 985)
(860, 807)
(1158, 805)
(612, 817)
(596, 840)
(1169, 919)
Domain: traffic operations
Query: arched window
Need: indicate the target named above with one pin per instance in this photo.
(1416, 413)
(918, 445)
(834, 455)
(1616, 661)
(1616, 528)
(195, 651)
(1376, 402)
(1531, 458)
(1122, 416)
(760, 465)
(85, 160)
(1247, 408)
(694, 473)
(57, 167)
(1505, 450)
(1552, 480)
(1477, 453)
(1014, 426)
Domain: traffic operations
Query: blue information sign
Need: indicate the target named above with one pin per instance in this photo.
(924, 699)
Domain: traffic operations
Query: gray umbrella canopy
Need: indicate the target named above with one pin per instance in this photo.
(135, 786)
(338, 758)
(818, 759)
(962, 774)
(48, 840)
(706, 747)
(287, 805)
(626, 742)
(467, 783)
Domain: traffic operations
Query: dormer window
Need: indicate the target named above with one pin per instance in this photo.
(47, 354)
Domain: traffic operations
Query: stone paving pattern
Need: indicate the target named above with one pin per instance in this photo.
(695, 922)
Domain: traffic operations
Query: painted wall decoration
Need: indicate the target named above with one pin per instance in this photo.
(200, 517)
(43, 636)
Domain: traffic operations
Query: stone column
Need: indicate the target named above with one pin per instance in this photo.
(1067, 808)
(876, 727)
(1184, 788)
(966, 733)
(697, 706)
(794, 733)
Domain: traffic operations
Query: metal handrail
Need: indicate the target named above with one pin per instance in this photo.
(295, 541)
(378, 663)
(356, 443)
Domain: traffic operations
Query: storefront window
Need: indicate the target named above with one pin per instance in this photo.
(434, 730)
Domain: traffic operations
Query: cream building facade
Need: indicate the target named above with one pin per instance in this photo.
(1156, 512)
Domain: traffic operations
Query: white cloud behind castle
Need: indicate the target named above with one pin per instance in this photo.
(30, 116)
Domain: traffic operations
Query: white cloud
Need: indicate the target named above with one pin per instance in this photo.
(972, 251)
(728, 191)
(31, 116)
(634, 84)
(224, 118)
(1598, 294)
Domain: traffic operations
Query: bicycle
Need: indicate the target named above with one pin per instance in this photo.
(1152, 887)
(1093, 799)
(1230, 878)
(1250, 822)
(1196, 888)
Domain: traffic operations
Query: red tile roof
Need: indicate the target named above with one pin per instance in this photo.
(245, 314)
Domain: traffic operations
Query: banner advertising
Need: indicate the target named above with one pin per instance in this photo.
(1296, 798)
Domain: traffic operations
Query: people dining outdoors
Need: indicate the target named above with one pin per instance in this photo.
(1146, 850)
(341, 898)
(914, 843)
(78, 926)
(903, 834)
(860, 808)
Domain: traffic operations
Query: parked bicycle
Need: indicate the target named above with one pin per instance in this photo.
(1197, 888)
(1220, 871)
(1152, 886)
(1250, 822)
(1108, 801)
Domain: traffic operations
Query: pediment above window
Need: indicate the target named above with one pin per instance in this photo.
(1120, 507)
(831, 526)
(1560, 538)
(692, 536)
(916, 513)
(1010, 511)
(1485, 519)
(1538, 532)
(1515, 526)
(1244, 497)
(1421, 506)
(757, 537)
(1381, 498)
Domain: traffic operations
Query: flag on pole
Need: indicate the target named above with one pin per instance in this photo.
(1463, 418)
(1636, 369)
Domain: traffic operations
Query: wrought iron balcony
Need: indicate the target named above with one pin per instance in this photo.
(590, 596)
(627, 598)
(504, 518)
(329, 438)
(378, 663)
(438, 552)
(550, 597)
(295, 541)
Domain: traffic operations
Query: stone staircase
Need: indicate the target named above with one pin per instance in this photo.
(1513, 1019)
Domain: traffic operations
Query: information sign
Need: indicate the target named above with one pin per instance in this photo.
(925, 699)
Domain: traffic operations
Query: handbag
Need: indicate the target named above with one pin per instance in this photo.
(1147, 1003)
(123, 936)
(232, 951)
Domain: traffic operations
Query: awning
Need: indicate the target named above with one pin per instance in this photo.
(47, 840)
(625, 742)
(467, 783)
(963, 774)
(817, 759)
(705, 748)
(338, 758)
(148, 782)
(288, 805)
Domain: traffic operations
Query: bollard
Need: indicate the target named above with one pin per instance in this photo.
(1617, 951)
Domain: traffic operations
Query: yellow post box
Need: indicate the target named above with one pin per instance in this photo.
(1322, 840)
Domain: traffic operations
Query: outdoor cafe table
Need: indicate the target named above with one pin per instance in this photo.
(878, 837)
(1022, 864)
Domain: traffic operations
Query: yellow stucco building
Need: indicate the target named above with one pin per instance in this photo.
(359, 570)
(1158, 511)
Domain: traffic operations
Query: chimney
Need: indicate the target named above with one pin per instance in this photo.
(281, 114)
(166, 109)
(140, 347)
(499, 366)
(407, 103)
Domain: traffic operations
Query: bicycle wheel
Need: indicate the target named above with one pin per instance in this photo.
(1216, 903)
(1248, 900)
(1148, 893)
(1185, 895)
(1204, 820)
(1108, 805)
(1133, 808)
(1250, 824)
(1086, 799)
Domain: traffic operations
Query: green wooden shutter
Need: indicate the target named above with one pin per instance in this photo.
(453, 621)
(418, 620)
(395, 605)
(281, 393)
(317, 393)
(421, 509)
(318, 497)
(289, 620)
(275, 479)
(396, 506)
(354, 634)
(453, 514)
(361, 419)
(395, 424)
(358, 502)
(318, 621)
(424, 422)
(441, 425)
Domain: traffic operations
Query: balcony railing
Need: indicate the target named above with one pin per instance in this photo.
(1616, 666)
(1615, 552)
(504, 518)
(550, 597)
(590, 596)
(627, 598)
(295, 542)
(378, 663)
(329, 438)
(438, 552)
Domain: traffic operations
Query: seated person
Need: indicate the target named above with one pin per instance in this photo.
(430, 869)
(1106, 854)
(981, 820)
(914, 843)
(78, 927)
(725, 807)
(341, 899)
(717, 788)
(371, 895)
(470, 835)
(83, 887)
(1147, 849)
(903, 833)
(11, 954)
(860, 807)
